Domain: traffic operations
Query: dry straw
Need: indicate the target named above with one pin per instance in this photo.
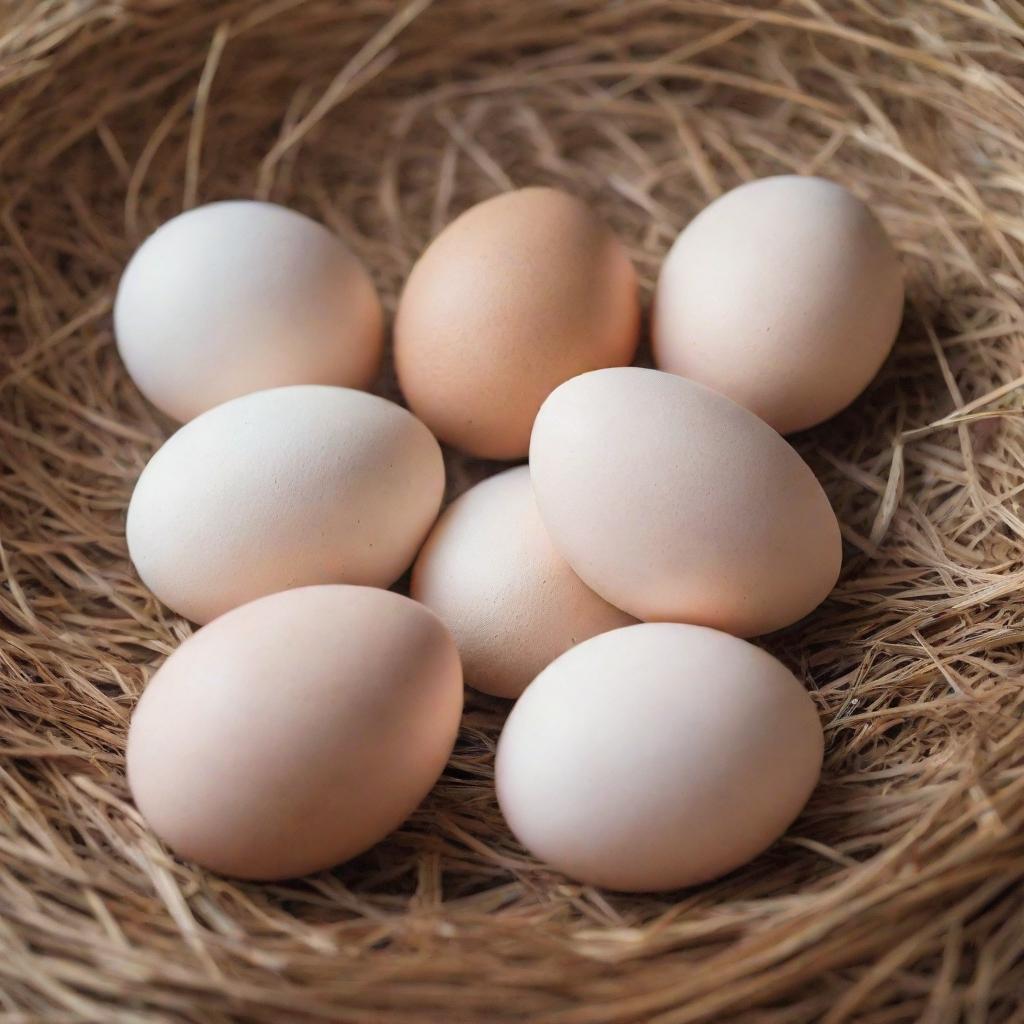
(899, 894)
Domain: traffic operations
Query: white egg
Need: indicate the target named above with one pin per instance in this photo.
(657, 756)
(784, 294)
(676, 504)
(491, 573)
(240, 296)
(284, 488)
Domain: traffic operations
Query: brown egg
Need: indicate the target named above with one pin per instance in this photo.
(511, 601)
(676, 504)
(515, 296)
(657, 756)
(295, 731)
(784, 294)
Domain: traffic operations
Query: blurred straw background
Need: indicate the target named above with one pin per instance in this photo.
(899, 894)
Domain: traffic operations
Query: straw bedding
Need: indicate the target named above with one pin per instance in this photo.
(899, 894)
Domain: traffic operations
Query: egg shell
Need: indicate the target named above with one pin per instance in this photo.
(511, 601)
(240, 296)
(784, 294)
(283, 488)
(657, 756)
(674, 503)
(518, 294)
(296, 731)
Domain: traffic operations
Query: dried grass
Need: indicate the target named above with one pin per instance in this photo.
(899, 894)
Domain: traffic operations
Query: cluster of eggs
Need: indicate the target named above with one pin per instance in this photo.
(607, 586)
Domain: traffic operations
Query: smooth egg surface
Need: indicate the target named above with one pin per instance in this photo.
(283, 488)
(657, 756)
(676, 504)
(784, 294)
(518, 294)
(510, 599)
(296, 731)
(239, 296)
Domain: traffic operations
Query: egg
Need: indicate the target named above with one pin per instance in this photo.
(518, 294)
(657, 756)
(490, 571)
(240, 296)
(296, 731)
(283, 488)
(784, 294)
(676, 504)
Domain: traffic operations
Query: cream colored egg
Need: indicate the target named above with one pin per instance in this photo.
(674, 503)
(515, 296)
(240, 296)
(283, 488)
(784, 294)
(657, 756)
(511, 601)
(296, 731)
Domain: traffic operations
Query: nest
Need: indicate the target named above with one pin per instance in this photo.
(899, 893)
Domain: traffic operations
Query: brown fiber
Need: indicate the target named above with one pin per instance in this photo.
(899, 894)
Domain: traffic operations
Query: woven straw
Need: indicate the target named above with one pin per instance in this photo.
(899, 894)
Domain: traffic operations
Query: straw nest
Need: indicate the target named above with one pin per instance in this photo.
(899, 894)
